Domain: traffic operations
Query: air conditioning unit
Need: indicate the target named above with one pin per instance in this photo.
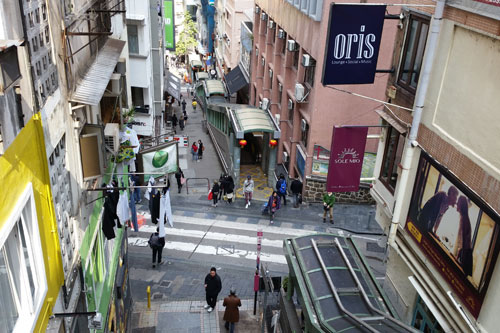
(257, 9)
(299, 91)
(115, 83)
(112, 137)
(290, 104)
(281, 34)
(280, 87)
(303, 125)
(263, 16)
(265, 103)
(291, 45)
(263, 61)
(271, 24)
(307, 60)
(285, 157)
(270, 73)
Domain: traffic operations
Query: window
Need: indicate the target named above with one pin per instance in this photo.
(304, 132)
(413, 52)
(392, 157)
(22, 272)
(44, 12)
(309, 75)
(295, 55)
(290, 111)
(47, 35)
(280, 92)
(283, 45)
(133, 39)
(137, 96)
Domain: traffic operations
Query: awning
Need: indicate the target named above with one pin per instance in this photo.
(201, 76)
(214, 87)
(93, 84)
(247, 119)
(196, 63)
(392, 121)
(236, 79)
(173, 85)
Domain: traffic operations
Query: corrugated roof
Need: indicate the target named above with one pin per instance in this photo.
(215, 87)
(253, 119)
(201, 75)
(93, 84)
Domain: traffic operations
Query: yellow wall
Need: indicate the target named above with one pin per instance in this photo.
(25, 161)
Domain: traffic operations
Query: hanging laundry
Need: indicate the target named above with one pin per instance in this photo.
(168, 209)
(109, 214)
(122, 209)
(155, 206)
(151, 182)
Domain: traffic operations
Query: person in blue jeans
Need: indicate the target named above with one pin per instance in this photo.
(137, 191)
(281, 188)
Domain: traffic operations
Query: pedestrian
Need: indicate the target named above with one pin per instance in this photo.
(174, 121)
(183, 103)
(201, 148)
(185, 117)
(178, 102)
(273, 204)
(137, 191)
(248, 185)
(281, 188)
(296, 188)
(179, 175)
(222, 182)
(213, 285)
(232, 313)
(194, 151)
(194, 104)
(215, 193)
(229, 188)
(157, 243)
(328, 201)
(181, 122)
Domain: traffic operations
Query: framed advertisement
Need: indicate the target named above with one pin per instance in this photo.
(456, 230)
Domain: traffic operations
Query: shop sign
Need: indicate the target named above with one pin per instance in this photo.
(353, 41)
(455, 230)
(160, 160)
(346, 159)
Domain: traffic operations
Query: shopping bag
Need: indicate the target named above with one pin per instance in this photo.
(210, 195)
(183, 180)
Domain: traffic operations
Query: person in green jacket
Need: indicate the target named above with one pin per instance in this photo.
(328, 201)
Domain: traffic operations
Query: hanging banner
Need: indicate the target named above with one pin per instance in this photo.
(353, 40)
(159, 160)
(346, 159)
(168, 6)
(455, 230)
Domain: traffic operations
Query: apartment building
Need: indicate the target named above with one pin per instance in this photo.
(289, 41)
(438, 167)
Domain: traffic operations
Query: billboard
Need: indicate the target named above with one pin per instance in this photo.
(353, 40)
(160, 160)
(168, 10)
(456, 230)
(346, 159)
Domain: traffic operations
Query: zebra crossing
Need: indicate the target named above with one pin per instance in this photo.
(217, 240)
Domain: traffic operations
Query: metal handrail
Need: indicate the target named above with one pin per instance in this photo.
(363, 293)
(187, 183)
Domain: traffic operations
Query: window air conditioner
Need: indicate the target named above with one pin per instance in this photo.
(112, 137)
(115, 83)
(265, 103)
(270, 73)
(290, 104)
(303, 125)
(257, 9)
(263, 16)
(291, 45)
(281, 34)
(271, 24)
(285, 157)
(299, 91)
(307, 60)
(280, 87)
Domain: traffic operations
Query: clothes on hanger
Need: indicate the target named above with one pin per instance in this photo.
(109, 214)
(122, 209)
(155, 206)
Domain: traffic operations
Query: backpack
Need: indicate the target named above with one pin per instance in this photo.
(283, 186)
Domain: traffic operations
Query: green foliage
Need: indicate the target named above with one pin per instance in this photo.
(187, 37)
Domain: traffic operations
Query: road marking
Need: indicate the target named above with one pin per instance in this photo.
(212, 250)
(218, 236)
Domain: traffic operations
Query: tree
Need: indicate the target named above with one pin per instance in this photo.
(187, 37)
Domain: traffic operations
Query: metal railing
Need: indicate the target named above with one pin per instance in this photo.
(188, 179)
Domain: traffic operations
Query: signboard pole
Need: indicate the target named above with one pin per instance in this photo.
(260, 234)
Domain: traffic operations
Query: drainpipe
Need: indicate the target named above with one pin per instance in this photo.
(411, 143)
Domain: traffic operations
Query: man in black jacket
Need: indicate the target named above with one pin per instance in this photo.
(296, 188)
(213, 286)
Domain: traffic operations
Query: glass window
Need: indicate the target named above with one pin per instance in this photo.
(309, 75)
(392, 157)
(283, 44)
(413, 52)
(295, 55)
(137, 96)
(290, 110)
(304, 133)
(133, 39)
(8, 308)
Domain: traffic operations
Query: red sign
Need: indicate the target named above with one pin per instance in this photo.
(346, 159)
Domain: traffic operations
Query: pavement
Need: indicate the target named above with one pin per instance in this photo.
(225, 237)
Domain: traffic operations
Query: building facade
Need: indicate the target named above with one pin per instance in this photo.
(437, 168)
(289, 40)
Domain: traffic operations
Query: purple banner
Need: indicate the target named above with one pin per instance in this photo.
(346, 159)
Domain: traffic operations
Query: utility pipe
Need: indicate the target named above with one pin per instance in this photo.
(411, 144)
